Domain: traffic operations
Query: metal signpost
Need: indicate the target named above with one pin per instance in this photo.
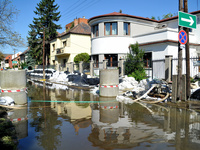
(187, 20)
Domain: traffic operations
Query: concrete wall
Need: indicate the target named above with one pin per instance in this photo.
(13, 79)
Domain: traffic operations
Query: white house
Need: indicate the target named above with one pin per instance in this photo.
(113, 33)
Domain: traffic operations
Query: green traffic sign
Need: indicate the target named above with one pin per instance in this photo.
(187, 20)
(14, 62)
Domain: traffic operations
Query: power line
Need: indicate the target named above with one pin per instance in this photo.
(76, 12)
(75, 6)
(66, 13)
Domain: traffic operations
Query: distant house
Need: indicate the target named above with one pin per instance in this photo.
(16, 59)
(23, 56)
(7, 62)
(73, 41)
(111, 35)
(10, 60)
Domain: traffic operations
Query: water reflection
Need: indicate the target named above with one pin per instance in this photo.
(76, 119)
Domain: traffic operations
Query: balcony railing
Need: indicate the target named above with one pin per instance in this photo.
(60, 51)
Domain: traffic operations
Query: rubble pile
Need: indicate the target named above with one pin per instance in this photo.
(76, 79)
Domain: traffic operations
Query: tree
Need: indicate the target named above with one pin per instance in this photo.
(30, 62)
(47, 14)
(1, 56)
(35, 44)
(85, 57)
(169, 15)
(7, 17)
(134, 65)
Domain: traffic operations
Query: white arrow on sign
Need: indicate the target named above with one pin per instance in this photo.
(191, 21)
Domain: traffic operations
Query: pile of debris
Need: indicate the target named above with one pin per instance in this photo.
(131, 89)
(76, 79)
(195, 88)
(152, 90)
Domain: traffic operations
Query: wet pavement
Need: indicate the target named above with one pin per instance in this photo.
(76, 119)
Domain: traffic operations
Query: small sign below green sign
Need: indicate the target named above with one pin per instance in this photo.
(14, 62)
(187, 20)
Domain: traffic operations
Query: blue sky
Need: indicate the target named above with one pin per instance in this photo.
(71, 9)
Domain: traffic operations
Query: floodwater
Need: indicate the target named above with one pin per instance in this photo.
(73, 119)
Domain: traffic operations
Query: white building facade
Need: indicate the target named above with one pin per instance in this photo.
(113, 33)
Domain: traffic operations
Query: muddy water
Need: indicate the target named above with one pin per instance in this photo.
(75, 119)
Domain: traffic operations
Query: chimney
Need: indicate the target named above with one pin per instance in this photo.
(82, 20)
(75, 22)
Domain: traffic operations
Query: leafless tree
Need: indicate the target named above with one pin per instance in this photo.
(8, 15)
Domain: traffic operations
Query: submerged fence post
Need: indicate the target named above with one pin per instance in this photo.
(71, 69)
(81, 66)
(168, 68)
(121, 67)
(57, 67)
(105, 63)
(174, 88)
(91, 68)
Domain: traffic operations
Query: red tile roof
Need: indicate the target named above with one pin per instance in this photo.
(137, 17)
(81, 28)
(120, 14)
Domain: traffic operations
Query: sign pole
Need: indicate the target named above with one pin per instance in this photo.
(179, 79)
(187, 54)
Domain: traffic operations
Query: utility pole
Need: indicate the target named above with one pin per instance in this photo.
(43, 52)
(187, 55)
(180, 54)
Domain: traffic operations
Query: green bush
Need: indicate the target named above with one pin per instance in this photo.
(8, 139)
(134, 64)
(138, 75)
(85, 57)
(23, 65)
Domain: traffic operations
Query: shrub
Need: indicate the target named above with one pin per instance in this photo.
(134, 65)
(138, 75)
(85, 57)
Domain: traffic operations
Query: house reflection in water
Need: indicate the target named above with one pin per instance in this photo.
(114, 125)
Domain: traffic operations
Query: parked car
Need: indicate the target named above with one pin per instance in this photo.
(38, 73)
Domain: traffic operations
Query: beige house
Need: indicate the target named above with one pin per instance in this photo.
(68, 44)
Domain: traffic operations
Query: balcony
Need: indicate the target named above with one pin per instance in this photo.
(161, 35)
(59, 51)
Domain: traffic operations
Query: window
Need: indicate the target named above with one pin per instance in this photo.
(112, 60)
(64, 43)
(95, 31)
(53, 45)
(114, 28)
(107, 28)
(126, 28)
(111, 28)
(147, 60)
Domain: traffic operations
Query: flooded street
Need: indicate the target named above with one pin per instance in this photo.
(76, 119)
